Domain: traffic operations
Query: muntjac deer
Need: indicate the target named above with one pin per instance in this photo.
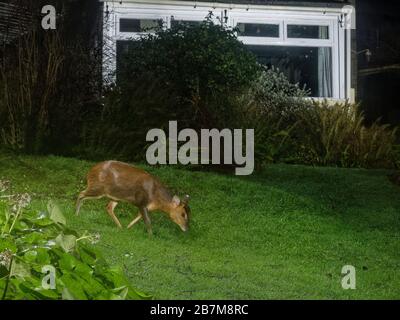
(119, 181)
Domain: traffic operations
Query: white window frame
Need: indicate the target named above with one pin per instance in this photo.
(264, 14)
(184, 16)
(307, 41)
(286, 19)
(259, 40)
(133, 35)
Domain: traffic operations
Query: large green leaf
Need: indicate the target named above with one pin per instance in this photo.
(74, 287)
(67, 263)
(55, 213)
(88, 256)
(42, 256)
(67, 295)
(66, 242)
(30, 256)
(81, 272)
(19, 269)
(7, 244)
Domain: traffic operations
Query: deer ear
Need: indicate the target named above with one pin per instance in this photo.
(176, 201)
(186, 199)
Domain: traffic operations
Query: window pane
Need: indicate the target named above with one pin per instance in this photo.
(139, 25)
(187, 23)
(309, 66)
(123, 49)
(258, 30)
(307, 32)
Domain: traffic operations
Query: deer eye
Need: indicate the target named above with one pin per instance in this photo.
(183, 215)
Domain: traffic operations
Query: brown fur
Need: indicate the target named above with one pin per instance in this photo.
(120, 181)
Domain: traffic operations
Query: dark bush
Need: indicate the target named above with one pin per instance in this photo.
(186, 73)
(119, 129)
(290, 128)
(198, 63)
(49, 79)
(270, 106)
(338, 135)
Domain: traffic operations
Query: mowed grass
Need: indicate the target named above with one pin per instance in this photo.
(285, 233)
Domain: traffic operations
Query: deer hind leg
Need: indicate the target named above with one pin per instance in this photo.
(134, 221)
(86, 195)
(110, 209)
(145, 214)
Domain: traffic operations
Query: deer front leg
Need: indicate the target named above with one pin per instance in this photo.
(110, 209)
(135, 221)
(146, 218)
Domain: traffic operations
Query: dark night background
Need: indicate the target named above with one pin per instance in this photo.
(378, 29)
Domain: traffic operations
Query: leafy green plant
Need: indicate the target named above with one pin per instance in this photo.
(290, 128)
(271, 135)
(32, 241)
(48, 80)
(269, 106)
(337, 135)
(196, 63)
(186, 73)
(277, 96)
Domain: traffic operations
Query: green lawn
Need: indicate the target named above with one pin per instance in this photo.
(283, 234)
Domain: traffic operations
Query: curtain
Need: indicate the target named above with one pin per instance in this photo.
(324, 67)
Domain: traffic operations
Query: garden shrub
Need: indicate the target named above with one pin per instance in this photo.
(118, 130)
(48, 80)
(188, 73)
(290, 128)
(277, 96)
(32, 240)
(267, 104)
(197, 63)
(270, 106)
(337, 135)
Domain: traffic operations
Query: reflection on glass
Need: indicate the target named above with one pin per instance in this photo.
(139, 25)
(187, 23)
(258, 30)
(307, 32)
(309, 66)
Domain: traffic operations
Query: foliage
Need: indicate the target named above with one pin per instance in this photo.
(198, 63)
(187, 73)
(291, 128)
(269, 106)
(119, 130)
(277, 96)
(32, 240)
(48, 79)
(337, 135)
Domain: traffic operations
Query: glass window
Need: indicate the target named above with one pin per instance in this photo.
(309, 66)
(123, 49)
(258, 30)
(139, 25)
(187, 23)
(307, 32)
